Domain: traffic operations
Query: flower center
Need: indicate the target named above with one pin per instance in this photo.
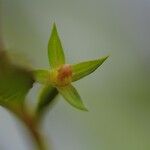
(62, 76)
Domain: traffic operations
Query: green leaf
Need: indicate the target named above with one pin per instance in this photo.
(41, 76)
(46, 98)
(72, 96)
(55, 50)
(85, 68)
(15, 83)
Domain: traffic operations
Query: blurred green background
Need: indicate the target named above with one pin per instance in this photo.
(117, 95)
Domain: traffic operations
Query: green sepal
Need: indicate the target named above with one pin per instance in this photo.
(85, 68)
(71, 95)
(41, 76)
(55, 50)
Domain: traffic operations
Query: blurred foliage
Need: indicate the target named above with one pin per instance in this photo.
(15, 81)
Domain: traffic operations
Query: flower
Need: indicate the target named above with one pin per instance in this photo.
(62, 74)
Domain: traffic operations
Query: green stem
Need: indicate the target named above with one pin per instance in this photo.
(30, 123)
(46, 100)
(32, 126)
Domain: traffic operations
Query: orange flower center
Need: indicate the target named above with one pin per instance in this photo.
(62, 76)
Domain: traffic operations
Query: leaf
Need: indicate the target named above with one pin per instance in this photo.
(72, 96)
(41, 76)
(55, 50)
(15, 83)
(46, 98)
(85, 68)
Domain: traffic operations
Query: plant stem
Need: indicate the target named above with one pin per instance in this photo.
(29, 121)
(46, 100)
(33, 128)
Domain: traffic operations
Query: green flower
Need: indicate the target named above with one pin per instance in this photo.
(62, 74)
